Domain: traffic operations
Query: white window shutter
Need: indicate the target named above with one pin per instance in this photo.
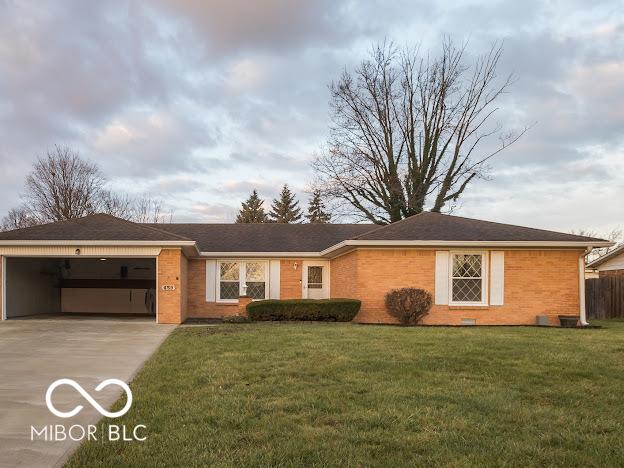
(442, 277)
(211, 280)
(497, 278)
(274, 279)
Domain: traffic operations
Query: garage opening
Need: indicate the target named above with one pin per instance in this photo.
(80, 286)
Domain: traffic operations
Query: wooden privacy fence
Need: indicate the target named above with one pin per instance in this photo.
(604, 297)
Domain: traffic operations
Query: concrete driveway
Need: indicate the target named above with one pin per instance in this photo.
(37, 351)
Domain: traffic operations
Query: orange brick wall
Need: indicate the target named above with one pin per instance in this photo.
(290, 288)
(343, 277)
(197, 305)
(172, 270)
(536, 282)
(1, 287)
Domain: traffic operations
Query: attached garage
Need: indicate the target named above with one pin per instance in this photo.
(94, 265)
(40, 285)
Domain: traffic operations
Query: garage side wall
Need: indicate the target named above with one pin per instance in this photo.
(32, 287)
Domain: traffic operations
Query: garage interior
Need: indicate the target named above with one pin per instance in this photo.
(80, 286)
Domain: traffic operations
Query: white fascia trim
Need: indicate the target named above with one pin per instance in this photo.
(218, 255)
(101, 243)
(440, 243)
(131, 243)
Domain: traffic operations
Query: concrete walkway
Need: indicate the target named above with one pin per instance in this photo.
(37, 351)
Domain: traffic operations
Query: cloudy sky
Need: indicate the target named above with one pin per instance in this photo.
(198, 102)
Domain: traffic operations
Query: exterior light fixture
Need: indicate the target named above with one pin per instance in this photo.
(295, 265)
(77, 252)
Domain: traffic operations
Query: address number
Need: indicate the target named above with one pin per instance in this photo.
(168, 287)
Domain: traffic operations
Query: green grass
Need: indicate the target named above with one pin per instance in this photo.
(350, 395)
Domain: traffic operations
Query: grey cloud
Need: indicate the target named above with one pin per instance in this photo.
(274, 25)
(204, 101)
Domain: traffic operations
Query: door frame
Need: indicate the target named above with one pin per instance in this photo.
(326, 277)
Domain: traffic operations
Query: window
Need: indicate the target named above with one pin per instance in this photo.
(315, 277)
(229, 280)
(242, 278)
(468, 278)
(255, 283)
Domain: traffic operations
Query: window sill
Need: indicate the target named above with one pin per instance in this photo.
(468, 307)
(227, 302)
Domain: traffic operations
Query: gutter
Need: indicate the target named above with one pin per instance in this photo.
(259, 254)
(583, 311)
(354, 243)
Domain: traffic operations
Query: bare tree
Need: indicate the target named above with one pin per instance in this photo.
(146, 209)
(615, 235)
(18, 218)
(116, 204)
(62, 185)
(411, 132)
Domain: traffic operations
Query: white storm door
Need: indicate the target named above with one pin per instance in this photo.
(315, 280)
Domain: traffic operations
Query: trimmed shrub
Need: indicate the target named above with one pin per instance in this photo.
(318, 310)
(408, 305)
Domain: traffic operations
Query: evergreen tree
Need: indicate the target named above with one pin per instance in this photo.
(251, 210)
(316, 210)
(286, 208)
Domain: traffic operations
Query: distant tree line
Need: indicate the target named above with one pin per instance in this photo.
(62, 185)
(284, 209)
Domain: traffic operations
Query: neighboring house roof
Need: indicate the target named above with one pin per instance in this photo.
(608, 256)
(314, 239)
(96, 227)
(266, 237)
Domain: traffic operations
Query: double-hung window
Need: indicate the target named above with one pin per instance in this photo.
(239, 278)
(468, 278)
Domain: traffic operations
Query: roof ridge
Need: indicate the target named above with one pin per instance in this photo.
(143, 226)
(388, 225)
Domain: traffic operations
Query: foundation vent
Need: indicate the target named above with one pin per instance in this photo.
(468, 321)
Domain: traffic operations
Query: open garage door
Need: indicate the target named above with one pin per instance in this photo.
(80, 286)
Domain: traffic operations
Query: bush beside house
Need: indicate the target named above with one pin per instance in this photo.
(321, 310)
(408, 305)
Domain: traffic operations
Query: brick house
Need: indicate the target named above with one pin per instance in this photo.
(478, 271)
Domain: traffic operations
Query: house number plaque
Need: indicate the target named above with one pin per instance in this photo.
(168, 287)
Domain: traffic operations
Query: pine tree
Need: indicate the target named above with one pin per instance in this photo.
(286, 208)
(251, 210)
(316, 210)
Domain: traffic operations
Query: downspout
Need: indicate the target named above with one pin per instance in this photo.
(583, 315)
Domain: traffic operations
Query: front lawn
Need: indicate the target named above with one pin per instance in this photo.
(352, 395)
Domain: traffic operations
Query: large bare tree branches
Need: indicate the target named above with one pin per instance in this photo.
(410, 132)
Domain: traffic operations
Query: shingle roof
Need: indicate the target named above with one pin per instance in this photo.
(266, 237)
(441, 227)
(271, 237)
(96, 227)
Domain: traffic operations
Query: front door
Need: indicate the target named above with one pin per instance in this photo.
(315, 280)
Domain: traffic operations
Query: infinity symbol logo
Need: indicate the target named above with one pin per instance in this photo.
(89, 398)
